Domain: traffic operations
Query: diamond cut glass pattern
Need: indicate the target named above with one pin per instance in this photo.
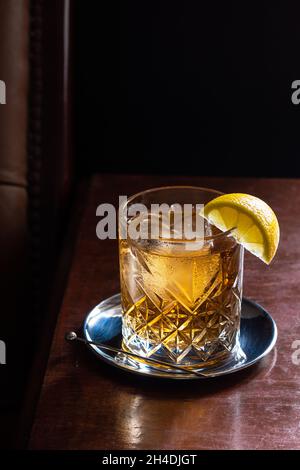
(182, 305)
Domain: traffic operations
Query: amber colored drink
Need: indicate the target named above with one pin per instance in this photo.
(182, 303)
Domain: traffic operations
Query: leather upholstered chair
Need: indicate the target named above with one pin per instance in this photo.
(35, 179)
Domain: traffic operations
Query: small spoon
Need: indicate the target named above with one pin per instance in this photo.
(72, 336)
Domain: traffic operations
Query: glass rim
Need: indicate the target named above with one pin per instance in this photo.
(162, 188)
(182, 187)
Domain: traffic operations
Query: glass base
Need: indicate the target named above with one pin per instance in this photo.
(211, 358)
(258, 334)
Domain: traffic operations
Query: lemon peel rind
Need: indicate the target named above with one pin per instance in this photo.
(258, 211)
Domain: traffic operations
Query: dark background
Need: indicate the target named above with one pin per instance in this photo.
(189, 88)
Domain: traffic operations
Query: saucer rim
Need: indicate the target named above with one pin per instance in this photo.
(157, 373)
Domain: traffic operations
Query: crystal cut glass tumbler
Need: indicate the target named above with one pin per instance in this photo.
(181, 298)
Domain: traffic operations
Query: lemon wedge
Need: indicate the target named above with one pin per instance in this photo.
(255, 224)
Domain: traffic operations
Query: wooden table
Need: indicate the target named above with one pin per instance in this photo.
(85, 404)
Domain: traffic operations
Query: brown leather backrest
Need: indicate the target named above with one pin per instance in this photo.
(14, 71)
(14, 24)
(14, 28)
(36, 175)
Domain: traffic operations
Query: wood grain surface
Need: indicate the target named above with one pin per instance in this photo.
(86, 404)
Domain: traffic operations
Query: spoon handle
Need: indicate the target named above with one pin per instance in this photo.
(72, 336)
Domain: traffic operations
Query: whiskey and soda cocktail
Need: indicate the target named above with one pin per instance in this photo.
(181, 297)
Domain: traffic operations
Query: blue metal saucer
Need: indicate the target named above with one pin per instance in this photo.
(103, 324)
